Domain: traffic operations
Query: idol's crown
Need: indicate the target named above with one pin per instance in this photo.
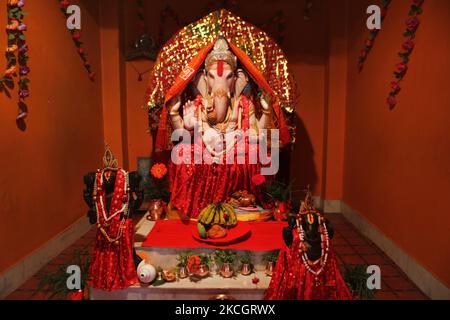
(221, 52)
(109, 161)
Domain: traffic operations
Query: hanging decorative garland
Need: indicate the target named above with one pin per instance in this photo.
(17, 54)
(76, 37)
(370, 41)
(412, 24)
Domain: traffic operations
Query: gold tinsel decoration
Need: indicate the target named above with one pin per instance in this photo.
(264, 52)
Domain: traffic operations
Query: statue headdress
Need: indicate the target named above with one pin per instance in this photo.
(221, 52)
(109, 161)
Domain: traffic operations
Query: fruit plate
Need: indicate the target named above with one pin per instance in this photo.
(237, 234)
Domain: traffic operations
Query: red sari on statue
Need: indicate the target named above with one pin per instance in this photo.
(291, 280)
(112, 266)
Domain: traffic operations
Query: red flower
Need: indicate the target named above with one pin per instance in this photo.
(64, 4)
(255, 280)
(408, 45)
(391, 101)
(402, 67)
(158, 171)
(395, 86)
(258, 179)
(76, 35)
(412, 23)
(193, 264)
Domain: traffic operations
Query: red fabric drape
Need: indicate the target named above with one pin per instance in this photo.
(291, 280)
(265, 236)
(112, 266)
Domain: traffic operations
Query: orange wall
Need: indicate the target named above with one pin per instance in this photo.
(397, 162)
(42, 168)
(139, 139)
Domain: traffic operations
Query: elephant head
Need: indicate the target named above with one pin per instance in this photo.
(220, 81)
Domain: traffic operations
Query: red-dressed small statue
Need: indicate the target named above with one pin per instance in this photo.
(307, 268)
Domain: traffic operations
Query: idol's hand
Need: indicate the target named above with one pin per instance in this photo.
(189, 108)
(265, 105)
(189, 115)
(174, 104)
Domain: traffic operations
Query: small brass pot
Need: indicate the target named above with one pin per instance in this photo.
(226, 270)
(183, 273)
(156, 209)
(246, 269)
(269, 268)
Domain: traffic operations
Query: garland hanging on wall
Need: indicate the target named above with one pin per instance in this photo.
(76, 37)
(370, 40)
(17, 55)
(412, 24)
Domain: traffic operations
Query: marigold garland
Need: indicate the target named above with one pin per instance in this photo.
(412, 24)
(16, 54)
(76, 37)
(370, 40)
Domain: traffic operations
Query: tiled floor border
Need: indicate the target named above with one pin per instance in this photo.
(15, 276)
(424, 279)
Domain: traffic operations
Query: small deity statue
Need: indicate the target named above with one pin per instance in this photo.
(113, 195)
(307, 268)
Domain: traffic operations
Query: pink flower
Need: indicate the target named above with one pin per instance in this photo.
(391, 101)
(402, 67)
(395, 86)
(258, 179)
(412, 23)
(408, 45)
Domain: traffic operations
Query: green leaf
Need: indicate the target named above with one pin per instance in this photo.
(11, 36)
(22, 37)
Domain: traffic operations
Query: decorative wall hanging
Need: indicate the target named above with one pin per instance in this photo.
(412, 24)
(76, 37)
(370, 41)
(144, 47)
(16, 55)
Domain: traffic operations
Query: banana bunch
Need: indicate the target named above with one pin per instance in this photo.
(219, 213)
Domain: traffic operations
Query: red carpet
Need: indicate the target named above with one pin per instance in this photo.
(265, 236)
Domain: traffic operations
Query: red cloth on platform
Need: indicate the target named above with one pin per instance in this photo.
(291, 280)
(265, 236)
(112, 266)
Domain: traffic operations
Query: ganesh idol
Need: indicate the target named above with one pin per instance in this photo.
(226, 127)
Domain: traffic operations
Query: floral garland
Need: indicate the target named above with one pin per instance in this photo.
(412, 24)
(76, 37)
(16, 53)
(370, 40)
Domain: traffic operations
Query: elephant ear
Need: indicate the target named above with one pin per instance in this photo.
(200, 83)
(241, 82)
